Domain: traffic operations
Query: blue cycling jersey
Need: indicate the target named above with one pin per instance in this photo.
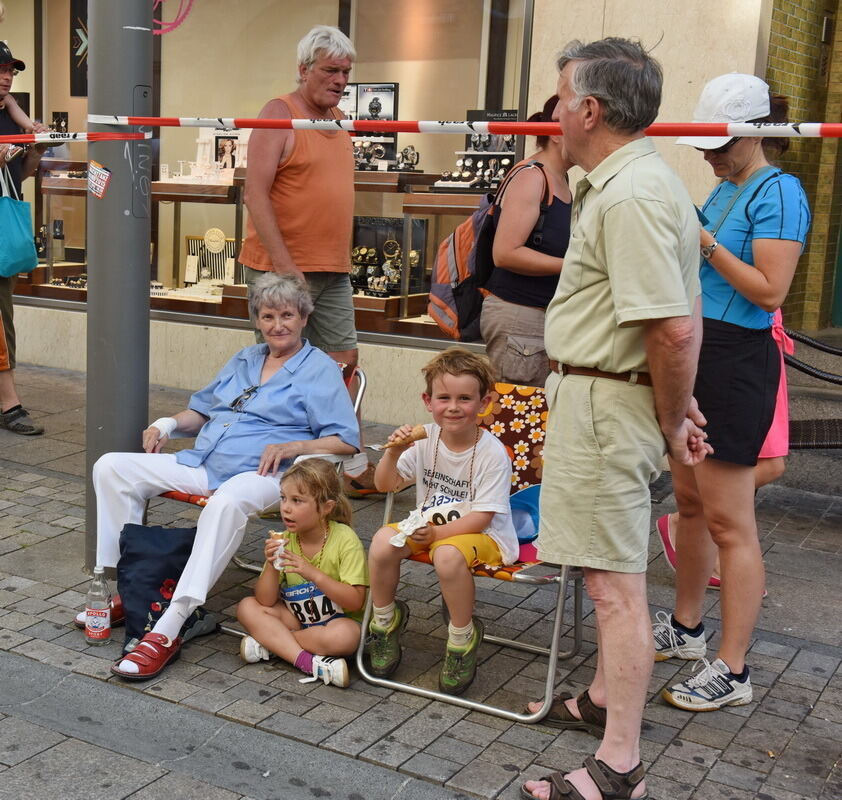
(775, 208)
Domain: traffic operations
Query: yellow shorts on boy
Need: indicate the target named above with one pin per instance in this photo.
(477, 548)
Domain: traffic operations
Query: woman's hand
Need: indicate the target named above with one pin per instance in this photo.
(292, 562)
(154, 440)
(270, 547)
(158, 434)
(274, 455)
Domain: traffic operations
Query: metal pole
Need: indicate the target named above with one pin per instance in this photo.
(118, 235)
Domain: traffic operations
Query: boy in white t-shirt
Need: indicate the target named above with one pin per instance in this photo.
(463, 476)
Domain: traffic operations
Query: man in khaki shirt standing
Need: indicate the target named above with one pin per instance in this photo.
(624, 329)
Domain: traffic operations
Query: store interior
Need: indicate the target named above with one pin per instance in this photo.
(425, 60)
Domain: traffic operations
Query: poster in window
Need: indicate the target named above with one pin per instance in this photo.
(78, 48)
(225, 150)
(377, 100)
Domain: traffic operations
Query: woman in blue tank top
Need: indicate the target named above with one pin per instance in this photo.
(756, 225)
(527, 265)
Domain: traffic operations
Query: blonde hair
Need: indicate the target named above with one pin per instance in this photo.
(320, 480)
(459, 361)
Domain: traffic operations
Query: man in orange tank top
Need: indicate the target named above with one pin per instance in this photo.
(300, 193)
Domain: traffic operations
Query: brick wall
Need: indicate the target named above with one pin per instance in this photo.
(810, 74)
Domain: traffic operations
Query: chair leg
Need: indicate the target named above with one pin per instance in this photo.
(247, 565)
(552, 652)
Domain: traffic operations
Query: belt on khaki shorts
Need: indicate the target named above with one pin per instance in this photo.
(641, 378)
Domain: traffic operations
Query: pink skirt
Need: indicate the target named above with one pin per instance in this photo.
(777, 440)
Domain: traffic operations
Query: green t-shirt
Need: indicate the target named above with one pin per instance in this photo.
(342, 558)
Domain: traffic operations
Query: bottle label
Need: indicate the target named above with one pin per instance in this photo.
(98, 623)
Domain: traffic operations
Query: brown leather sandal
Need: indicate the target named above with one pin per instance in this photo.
(593, 716)
(612, 785)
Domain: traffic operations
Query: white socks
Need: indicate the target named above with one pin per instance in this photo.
(459, 637)
(174, 618)
(169, 625)
(383, 616)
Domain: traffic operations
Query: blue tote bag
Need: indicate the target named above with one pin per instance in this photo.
(17, 247)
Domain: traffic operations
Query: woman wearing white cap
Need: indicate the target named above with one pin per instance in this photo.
(757, 223)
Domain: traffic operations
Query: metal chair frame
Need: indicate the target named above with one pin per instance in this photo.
(514, 573)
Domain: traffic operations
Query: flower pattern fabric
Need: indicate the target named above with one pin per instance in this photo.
(517, 415)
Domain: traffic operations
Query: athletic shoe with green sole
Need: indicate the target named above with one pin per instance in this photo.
(385, 643)
(460, 663)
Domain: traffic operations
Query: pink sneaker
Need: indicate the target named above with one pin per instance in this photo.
(663, 526)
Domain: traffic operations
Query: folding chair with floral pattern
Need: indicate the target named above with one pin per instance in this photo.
(517, 415)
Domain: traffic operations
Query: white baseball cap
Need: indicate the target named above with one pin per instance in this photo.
(734, 97)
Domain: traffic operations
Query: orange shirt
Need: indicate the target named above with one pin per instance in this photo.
(313, 199)
(4, 350)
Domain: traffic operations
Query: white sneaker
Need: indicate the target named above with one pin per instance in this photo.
(710, 689)
(673, 643)
(251, 651)
(329, 670)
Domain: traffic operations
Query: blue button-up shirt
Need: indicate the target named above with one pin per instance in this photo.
(305, 399)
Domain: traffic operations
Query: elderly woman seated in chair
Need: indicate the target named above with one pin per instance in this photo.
(269, 404)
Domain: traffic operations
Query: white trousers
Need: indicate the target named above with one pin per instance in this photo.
(125, 481)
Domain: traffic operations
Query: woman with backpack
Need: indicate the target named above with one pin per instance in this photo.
(528, 261)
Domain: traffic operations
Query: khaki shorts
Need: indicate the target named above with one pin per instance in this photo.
(477, 548)
(603, 448)
(331, 327)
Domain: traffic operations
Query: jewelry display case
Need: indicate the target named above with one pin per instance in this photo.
(402, 54)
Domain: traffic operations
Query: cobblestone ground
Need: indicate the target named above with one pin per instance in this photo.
(786, 745)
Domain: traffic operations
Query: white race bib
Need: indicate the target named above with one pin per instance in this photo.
(442, 508)
(309, 604)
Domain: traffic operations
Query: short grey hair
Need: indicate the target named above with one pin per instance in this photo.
(278, 291)
(326, 41)
(620, 74)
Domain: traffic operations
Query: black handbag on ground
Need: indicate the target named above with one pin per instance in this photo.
(152, 559)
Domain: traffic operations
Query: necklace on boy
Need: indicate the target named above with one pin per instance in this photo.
(470, 469)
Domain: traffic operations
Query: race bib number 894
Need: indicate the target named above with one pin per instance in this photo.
(309, 604)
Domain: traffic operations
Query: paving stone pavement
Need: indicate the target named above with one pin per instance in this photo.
(70, 729)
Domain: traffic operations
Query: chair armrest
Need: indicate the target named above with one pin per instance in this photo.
(357, 461)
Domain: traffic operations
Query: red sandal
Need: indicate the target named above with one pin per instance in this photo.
(152, 654)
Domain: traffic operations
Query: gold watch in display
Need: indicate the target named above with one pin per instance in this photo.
(215, 240)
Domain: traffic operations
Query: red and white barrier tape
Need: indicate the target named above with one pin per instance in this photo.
(790, 130)
(64, 138)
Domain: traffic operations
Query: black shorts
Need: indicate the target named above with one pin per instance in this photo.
(736, 386)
